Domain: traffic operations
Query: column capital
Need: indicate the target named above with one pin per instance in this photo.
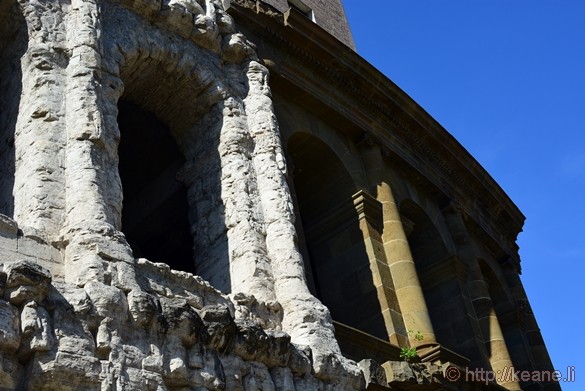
(368, 208)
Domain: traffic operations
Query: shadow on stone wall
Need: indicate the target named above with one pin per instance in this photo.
(13, 44)
(331, 229)
(203, 176)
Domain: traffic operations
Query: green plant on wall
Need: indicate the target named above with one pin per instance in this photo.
(409, 354)
(418, 335)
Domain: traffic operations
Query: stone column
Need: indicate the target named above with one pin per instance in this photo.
(487, 319)
(290, 285)
(466, 258)
(370, 220)
(250, 268)
(93, 189)
(39, 197)
(306, 319)
(402, 268)
(492, 333)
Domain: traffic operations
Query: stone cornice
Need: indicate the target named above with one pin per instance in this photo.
(341, 84)
(380, 349)
(439, 353)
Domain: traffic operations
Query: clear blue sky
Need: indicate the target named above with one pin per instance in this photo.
(507, 79)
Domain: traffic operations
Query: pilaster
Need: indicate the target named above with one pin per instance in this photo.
(410, 298)
(486, 320)
(370, 221)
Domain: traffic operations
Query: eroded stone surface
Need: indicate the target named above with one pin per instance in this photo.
(109, 320)
(79, 309)
(99, 337)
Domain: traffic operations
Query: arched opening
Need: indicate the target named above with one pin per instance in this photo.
(436, 272)
(331, 232)
(155, 211)
(13, 44)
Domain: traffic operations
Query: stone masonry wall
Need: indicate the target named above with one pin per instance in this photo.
(170, 331)
(173, 331)
(79, 312)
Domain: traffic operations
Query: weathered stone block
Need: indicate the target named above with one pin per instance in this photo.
(26, 273)
(108, 301)
(180, 319)
(26, 281)
(9, 327)
(143, 307)
(220, 327)
(373, 372)
(37, 330)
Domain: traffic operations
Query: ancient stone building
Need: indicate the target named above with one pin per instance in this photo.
(222, 195)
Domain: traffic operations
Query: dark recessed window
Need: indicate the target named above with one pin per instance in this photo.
(302, 8)
(155, 209)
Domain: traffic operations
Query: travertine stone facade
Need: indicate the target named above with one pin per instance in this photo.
(172, 331)
(221, 195)
(80, 59)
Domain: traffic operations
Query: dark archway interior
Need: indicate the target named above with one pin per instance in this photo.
(13, 45)
(424, 240)
(330, 227)
(155, 208)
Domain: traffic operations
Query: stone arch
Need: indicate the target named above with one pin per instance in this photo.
(294, 120)
(330, 226)
(174, 98)
(426, 242)
(13, 44)
(405, 192)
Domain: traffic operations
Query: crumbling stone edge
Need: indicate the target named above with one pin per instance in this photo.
(56, 335)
